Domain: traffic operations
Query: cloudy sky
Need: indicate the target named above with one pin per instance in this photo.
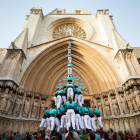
(126, 15)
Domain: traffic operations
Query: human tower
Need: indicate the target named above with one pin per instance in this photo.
(69, 108)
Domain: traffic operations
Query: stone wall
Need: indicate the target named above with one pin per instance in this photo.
(23, 110)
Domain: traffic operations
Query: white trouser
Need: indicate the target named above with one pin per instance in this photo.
(80, 100)
(93, 124)
(69, 91)
(63, 121)
(76, 98)
(99, 122)
(82, 122)
(90, 123)
(55, 100)
(69, 51)
(70, 117)
(64, 98)
(87, 121)
(69, 59)
(69, 70)
(48, 127)
(57, 123)
(43, 122)
(51, 123)
(78, 121)
(59, 101)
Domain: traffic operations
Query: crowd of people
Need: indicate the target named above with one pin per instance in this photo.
(84, 134)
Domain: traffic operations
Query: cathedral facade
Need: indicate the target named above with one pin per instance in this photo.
(105, 67)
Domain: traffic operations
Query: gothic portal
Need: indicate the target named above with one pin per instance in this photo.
(105, 67)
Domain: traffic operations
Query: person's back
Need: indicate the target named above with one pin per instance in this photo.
(85, 135)
(70, 137)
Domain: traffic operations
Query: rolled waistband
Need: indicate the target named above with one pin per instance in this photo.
(51, 115)
(86, 113)
(70, 108)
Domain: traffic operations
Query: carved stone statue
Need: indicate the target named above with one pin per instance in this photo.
(115, 106)
(124, 105)
(137, 93)
(99, 106)
(42, 109)
(18, 104)
(10, 102)
(107, 108)
(129, 103)
(4, 100)
(35, 106)
(26, 107)
(133, 97)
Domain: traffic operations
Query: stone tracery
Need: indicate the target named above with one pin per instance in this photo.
(69, 29)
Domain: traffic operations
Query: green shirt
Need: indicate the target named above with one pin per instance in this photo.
(96, 110)
(72, 104)
(18, 137)
(61, 91)
(57, 92)
(84, 137)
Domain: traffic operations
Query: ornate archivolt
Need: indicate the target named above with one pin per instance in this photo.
(69, 26)
(51, 64)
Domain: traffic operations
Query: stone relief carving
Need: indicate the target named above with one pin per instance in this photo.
(107, 107)
(12, 54)
(129, 103)
(124, 105)
(69, 29)
(42, 109)
(9, 102)
(35, 107)
(26, 107)
(115, 106)
(17, 106)
(137, 94)
(4, 100)
(132, 98)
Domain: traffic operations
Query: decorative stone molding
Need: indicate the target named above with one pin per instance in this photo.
(9, 84)
(21, 91)
(120, 90)
(131, 82)
(29, 93)
(12, 54)
(112, 92)
(36, 11)
(43, 96)
(37, 95)
(128, 54)
(2, 83)
(138, 81)
(104, 94)
(102, 11)
(97, 96)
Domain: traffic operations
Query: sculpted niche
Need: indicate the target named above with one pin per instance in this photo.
(42, 109)
(115, 106)
(124, 105)
(107, 108)
(17, 106)
(26, 107)
(35, 107)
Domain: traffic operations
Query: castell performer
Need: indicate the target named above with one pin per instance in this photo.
(63, 118)
(78, 118)
(70, 114)
(59, 98)
(92, 119)
(55, 97)
(52, 113)
(63, 94)
(86, 116)
(57, 119)
(44, 120)
(97, 113)
(79, 99)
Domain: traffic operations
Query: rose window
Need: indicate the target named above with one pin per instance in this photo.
(67, 30)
